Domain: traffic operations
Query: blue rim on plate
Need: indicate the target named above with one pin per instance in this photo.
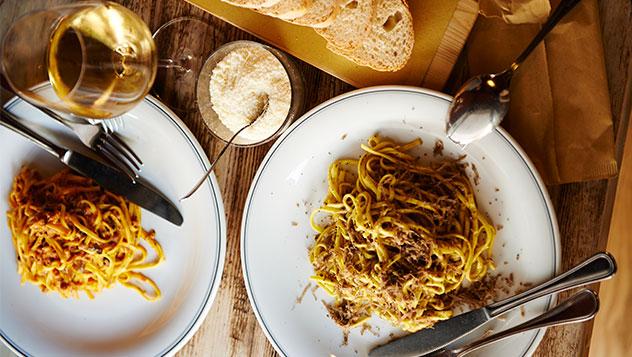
(213, 286)
(555, 243)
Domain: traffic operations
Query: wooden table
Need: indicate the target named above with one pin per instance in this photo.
(583, 209)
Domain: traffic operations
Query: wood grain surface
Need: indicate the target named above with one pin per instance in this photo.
(611, 332)
(583, 209)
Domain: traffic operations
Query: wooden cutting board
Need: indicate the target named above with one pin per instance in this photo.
(441, 28)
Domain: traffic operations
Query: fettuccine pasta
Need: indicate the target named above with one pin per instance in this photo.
(70, 235)
(400, 238)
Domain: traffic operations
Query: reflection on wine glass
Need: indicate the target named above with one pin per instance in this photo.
(99, 57)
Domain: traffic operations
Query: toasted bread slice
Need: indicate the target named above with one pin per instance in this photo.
(351, 25)
(389, 44)
(287, 9)
(321, 14)
(252, 4)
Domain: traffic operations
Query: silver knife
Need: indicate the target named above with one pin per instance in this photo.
(110, 179)
(599, 267)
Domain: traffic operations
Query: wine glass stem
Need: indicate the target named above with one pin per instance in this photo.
(179, 65)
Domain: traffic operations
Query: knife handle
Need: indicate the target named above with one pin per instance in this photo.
(580, 307)
(11, 122)
(599, 267)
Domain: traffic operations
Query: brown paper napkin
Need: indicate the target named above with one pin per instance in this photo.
(560, 108)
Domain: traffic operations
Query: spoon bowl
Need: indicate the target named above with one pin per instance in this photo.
(478, 107)
(483, 101)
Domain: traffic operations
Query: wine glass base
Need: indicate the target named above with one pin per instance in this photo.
(183, 44)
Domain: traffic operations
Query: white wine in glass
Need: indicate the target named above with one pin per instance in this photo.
(99, 57)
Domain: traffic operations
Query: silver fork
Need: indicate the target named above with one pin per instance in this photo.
(104, 140)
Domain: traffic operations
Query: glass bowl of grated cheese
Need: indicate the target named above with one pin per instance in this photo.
(245, 82)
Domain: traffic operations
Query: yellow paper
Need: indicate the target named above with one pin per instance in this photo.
(517, 11)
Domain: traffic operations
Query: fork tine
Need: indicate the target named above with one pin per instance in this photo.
(116, 162)
(122, 155)
(122, 145)
(120, 123)
(109, 125)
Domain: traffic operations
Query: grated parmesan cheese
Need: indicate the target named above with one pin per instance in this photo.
(239, 86)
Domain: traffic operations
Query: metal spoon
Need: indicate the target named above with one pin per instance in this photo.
(262, 112)
(580, 307)
(483, 101)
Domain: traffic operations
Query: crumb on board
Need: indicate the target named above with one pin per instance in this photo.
(477, 177)
(496, 189)
(499, 227)
(523, 312)
(299, 299)
(294, 223)
(297, 205)
(313, 291)
(345, 337)
(505, 262)
(369, 328)
(344, 136)
(504, 243)
(518, 256)
(438, 148)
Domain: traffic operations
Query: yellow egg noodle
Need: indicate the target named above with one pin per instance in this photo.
(71, 235)
(400, 238)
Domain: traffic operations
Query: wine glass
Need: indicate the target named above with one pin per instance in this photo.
(99, 57)
(183, 44)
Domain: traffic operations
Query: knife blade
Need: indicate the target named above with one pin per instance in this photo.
(599, 267)
(434, 338)
(140, 192)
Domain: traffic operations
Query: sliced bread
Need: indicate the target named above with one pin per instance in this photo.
(252, 3)
(389, 44)
(287, 9)
(320, 14)
(351, 25)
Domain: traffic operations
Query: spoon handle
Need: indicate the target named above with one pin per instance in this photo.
(210, 169)
(580, 307)
(560, 11)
